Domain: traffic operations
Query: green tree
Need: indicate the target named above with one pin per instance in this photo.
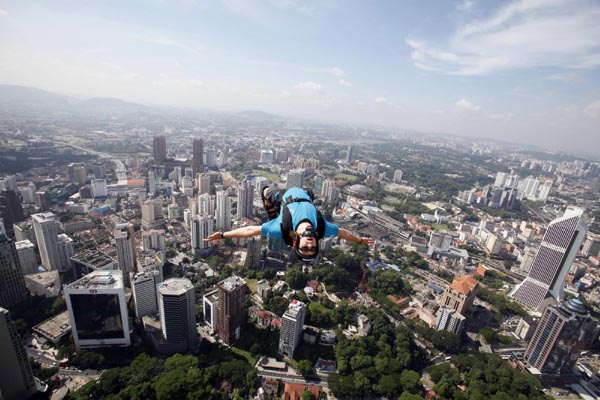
(307, 395)
(304, 367)
(411, 381)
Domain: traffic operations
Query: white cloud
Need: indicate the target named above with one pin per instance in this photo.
(465, 5)
(384, 100)
(309, 88)
(593, 109)
(294, 5)
(186, 83)
(3, 13)
(340, 74)
(466, 105)
(167, 42)
(522, 34)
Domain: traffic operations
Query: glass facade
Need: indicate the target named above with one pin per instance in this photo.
(97, 316)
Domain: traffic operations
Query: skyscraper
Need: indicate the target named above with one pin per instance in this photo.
(253, 246)
(198, 156)
(231, 311)
(202, 227)
(203, 182)
(544, 283)
(98, 310)
(349, 155)
(245, 200)
(211, 305)
(143, 286)
(12, 283)
(292, 323)
(46, 236)
(206, 204)
(159, 147)
(126, 248)
(177, 315)
(17, 378)
(295, 178)
(10, 209)
(223, 211)
(563, 332)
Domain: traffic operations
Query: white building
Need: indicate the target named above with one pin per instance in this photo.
(154, 240)
(46, 236)
(202, 227)
(206, 204)
(448, 319)
(99, 188)
(223, 211)
(245, 200)
(126, 247)
(292, 323)
(398, 176)
(177, 315)
(98, 310)
(27, 256)
(66, 250)
(152, 214)
(211, 306)
(143, 286)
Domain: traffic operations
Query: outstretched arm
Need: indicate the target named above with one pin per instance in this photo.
(347, 235)
(245, 232)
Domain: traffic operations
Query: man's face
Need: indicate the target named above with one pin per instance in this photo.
(307, 246)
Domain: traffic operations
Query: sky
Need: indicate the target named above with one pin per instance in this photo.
(518, 71)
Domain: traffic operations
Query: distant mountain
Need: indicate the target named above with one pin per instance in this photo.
(13, 96)
(258, 115)
(109, 105)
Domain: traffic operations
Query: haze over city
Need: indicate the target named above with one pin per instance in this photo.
(524, 71)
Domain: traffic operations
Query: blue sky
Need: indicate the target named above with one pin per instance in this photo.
(525, 71)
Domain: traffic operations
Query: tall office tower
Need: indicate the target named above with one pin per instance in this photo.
(17, 377)
(9, 183)
(80, 174)
(10, 209)
(99, 188)
(259, 184)
(544, 191)
(154, 240)
(500, 179)
(512, 181)
(564, 330)
(231, 311)
(206, 204)
(544, 283)
(12, 283)
(202, 227)
(460, 294)
(177, 316)
(295, 178)
(27, 193)
(448, 319)
(349, 155)
(187, 186)
(41, 200)
(46, 236)
(198, 156)
(126, 248)
(281, 155)
(152, 182)
(152, 214)
(292, 323)
(318, 187)
(266, 157)
(172, 211)
(159, 147)
(211, 305)
(99, 169)
(143, 286)
(27, 257)
(398, 176)
(253, 246)
(66, 249)
(245, 200)
(203, 182)
(98, 310)
(223, 211)
(211, 158)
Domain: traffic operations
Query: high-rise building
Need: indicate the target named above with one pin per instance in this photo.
(66, 250)
(10, 209)
(223, 211)
(253, 246)
(398, 176)
(17, 377)
(159, 147)
(448, 319)
(41, 200)
(126, 248)
(152, 214)
(231, 310)
(349, 155)
(460, 294)
(206, 204)
(295, 178)
(46, 236)
(27, 257)
(591, 247)
(12, 283)
(211, 305)
(99, 169)
(544, 283)
(98, 310)
(99, 188)
(198, 156)
(563, 332)
(9, 183)
(292, 323)
(202, 227)
(203, 182)
(154, 239)
(177, 316)
(245, 200)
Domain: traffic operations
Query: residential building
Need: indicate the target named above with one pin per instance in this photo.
(198, 156)
(295, 178)
(126, 248)
(211, 306)
(231, 314)
(223, 211)
(46, 235)
(245, 200)
(292, 323)
(202, 227)
(27, 256)
(460, 294)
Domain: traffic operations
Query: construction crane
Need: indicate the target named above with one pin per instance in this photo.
(364, 285)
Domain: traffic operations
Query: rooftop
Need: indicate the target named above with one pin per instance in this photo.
(93, 258)
(55, 327)
(99, 280)
(175, 286)
(24, 244)
(464, 284)
(231, 283)
(43, 278)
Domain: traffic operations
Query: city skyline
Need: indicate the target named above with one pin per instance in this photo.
(519, 71)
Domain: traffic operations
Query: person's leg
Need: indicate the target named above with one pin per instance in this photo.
(271, 198)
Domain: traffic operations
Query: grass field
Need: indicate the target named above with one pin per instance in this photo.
(251, 283)
(347, 177)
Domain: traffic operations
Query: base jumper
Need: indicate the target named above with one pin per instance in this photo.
(294, 218)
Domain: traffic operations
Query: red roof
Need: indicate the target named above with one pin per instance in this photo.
(293, 391)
